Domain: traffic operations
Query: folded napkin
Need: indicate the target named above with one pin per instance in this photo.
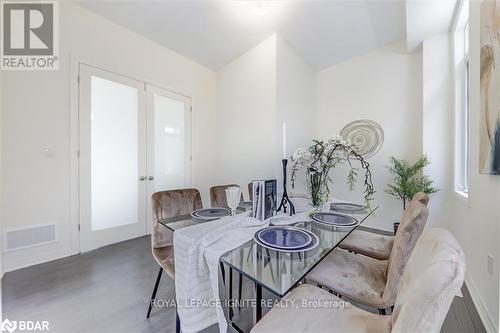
(197, 251)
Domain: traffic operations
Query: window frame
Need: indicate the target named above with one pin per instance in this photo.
(461, 77)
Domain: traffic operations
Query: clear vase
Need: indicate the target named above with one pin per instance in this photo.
(317, 187)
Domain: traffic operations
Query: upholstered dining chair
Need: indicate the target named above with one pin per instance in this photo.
(433, 276)
(375, 245)
(370, 281)
(218, 195)
(250, 191)
(168, 204)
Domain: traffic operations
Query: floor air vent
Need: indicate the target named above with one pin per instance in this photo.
(29, 237)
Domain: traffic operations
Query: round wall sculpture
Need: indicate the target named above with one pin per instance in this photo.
(367, 135)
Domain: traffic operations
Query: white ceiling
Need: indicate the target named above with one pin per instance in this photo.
(425, 18)
(213, 33)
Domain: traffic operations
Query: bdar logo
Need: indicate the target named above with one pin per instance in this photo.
(8, 326)
(24, 325)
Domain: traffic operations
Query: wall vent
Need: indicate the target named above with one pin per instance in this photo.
(29, 237)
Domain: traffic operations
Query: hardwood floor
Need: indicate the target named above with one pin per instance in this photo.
(108, 290)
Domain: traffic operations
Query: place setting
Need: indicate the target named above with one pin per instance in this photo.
(286, 239)
(234, 203)
(348, 207)
(210, 214)
(334, 219)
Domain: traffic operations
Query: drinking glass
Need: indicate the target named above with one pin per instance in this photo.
(233, 195)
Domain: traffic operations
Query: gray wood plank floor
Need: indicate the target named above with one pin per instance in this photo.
(108, 290)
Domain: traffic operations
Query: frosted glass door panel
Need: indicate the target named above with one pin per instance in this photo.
(114, 154)
(169, 143)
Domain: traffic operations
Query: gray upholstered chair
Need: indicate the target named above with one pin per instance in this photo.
(218, 195)
(370, 281)
(168, 204)
(250, 191)
(374, 245)
(433, 276)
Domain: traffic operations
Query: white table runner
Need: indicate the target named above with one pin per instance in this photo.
(197, 251)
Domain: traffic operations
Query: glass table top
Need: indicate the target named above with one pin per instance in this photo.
(183, 221)
(178, 222)
(280, 271)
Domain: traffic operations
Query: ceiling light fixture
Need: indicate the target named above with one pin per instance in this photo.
(254, 11)
(260, 9)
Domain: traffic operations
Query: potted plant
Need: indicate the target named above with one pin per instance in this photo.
(408, 180)
(320, 158)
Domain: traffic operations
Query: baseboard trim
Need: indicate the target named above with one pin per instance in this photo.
(24, 262)
(488, 322)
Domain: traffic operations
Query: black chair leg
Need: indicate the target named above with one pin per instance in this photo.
(240, 290)
(155, 289)
(177, 322)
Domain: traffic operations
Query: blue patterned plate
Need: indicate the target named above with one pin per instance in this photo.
(285, 238)
(347, 207)
(214, 213)
(334, 219)
(311, 246)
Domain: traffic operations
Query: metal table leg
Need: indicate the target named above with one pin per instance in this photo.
(230, 293)
(258, 303)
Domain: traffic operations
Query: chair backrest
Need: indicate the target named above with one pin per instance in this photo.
(433, 276)
(411, 227)
(421, 197)
(218, 195)
(250, 191)
(168, 204)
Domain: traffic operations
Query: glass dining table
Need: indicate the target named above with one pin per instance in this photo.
(274, 271)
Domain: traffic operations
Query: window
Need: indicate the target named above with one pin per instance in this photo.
(464, 183)
(462, 99)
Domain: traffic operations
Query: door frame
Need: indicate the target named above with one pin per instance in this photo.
(74, 96)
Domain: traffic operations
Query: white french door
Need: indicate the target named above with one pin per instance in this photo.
(169, 138)
(134, 139)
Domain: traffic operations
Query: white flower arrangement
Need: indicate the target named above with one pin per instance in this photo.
(321, 157)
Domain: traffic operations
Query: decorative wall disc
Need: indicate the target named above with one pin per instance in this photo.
(367, 135)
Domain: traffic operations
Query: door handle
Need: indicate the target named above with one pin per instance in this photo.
(142, 178)
(151, 178)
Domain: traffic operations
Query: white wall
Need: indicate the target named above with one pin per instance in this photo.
(384, 86)
(39, 108)
(296, 105)
(437, 123)
(1, 207)
(246, 116)
(257, 92)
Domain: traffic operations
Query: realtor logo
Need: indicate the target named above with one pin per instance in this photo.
(29, 35)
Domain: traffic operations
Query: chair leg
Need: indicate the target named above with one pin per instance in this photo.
(155, 289)
(177, 322)
(240, 290)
